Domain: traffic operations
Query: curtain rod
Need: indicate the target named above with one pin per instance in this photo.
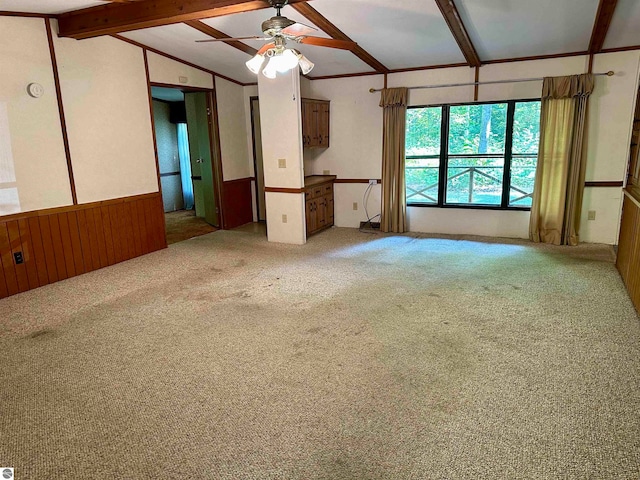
(610, 73)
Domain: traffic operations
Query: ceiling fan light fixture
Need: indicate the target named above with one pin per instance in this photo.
(270, 70)
(278, 61)
(306, 65)
(255, 63)
(285, 61)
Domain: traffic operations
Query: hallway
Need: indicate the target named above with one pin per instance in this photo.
(183, 225)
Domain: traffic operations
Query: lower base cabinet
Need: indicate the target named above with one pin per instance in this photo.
(319, 207)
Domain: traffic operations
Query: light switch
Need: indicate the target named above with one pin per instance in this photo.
(284, 218)
(282, 163)
(591, 215)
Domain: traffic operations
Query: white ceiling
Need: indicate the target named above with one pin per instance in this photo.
(179, 40)
(624, 30)
(400, 34)
(327, 61)
(52, 7)
(410, 33)
(522, 28)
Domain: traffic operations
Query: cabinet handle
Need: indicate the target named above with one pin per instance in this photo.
(320, 138)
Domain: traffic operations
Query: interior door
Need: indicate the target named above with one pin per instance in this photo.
(201, 161)
(259, 167)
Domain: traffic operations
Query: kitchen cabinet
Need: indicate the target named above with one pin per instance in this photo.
(318, 196)
(315, 123)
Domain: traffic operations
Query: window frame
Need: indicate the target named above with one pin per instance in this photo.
(444, 157)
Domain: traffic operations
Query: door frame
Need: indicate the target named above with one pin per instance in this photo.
(256, 189)
(214, 140)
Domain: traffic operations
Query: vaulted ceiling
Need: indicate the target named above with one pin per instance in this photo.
(391, 35)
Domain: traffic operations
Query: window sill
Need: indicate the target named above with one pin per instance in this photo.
(472, 207)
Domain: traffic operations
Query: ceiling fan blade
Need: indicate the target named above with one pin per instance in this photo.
(265, 47)
(227, 39)
(328, 42)
(299, 29)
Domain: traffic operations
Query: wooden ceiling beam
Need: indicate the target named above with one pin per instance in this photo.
(213, 33)
(452, 17)
(122, 17)
(334, 32)
(601, 25)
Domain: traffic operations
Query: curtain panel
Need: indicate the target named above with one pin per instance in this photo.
(185, 166)
(559, 182)
(394, 203)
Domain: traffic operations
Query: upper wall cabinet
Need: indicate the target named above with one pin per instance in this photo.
(315, 123)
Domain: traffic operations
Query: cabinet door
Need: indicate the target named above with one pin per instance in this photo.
(321, 212)
(323, 124)
(305, 122)
(310, 215)
(313, 124)
(310, 124)
(329, 208)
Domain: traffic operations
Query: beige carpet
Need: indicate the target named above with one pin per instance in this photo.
(183, 224)
(356, 356)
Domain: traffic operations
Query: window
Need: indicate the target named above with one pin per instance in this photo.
(481, 154)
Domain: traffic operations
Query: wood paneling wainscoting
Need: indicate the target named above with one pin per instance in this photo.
(63, 242)
(628, 259)
(236, 202)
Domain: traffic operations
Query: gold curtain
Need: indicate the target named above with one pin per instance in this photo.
(394, 204)
(559, 182)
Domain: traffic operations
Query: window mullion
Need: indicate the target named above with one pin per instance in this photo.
(444, 149)
(508, 147)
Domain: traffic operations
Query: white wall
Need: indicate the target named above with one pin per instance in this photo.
(32, 155)
(280, 117)
(355, 133)
(356, 139)
(610, 120)
(166, 70)
(305, 87)
(355, 144)
(523, 70)
(106, 102)
(434, 96)
(236, 160)
(105, 97)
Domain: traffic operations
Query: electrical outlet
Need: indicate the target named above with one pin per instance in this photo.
(373, 182)
(18, 258)
(355, 205)
(284, 218)
(591, 215)
(282, 163)
(183, 79)
(326, 172)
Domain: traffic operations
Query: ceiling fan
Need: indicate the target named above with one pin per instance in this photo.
(278, 30)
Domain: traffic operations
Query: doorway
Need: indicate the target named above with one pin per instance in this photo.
(257, 160)
(186, 160)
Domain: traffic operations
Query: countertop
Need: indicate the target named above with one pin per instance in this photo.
(312, 180)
